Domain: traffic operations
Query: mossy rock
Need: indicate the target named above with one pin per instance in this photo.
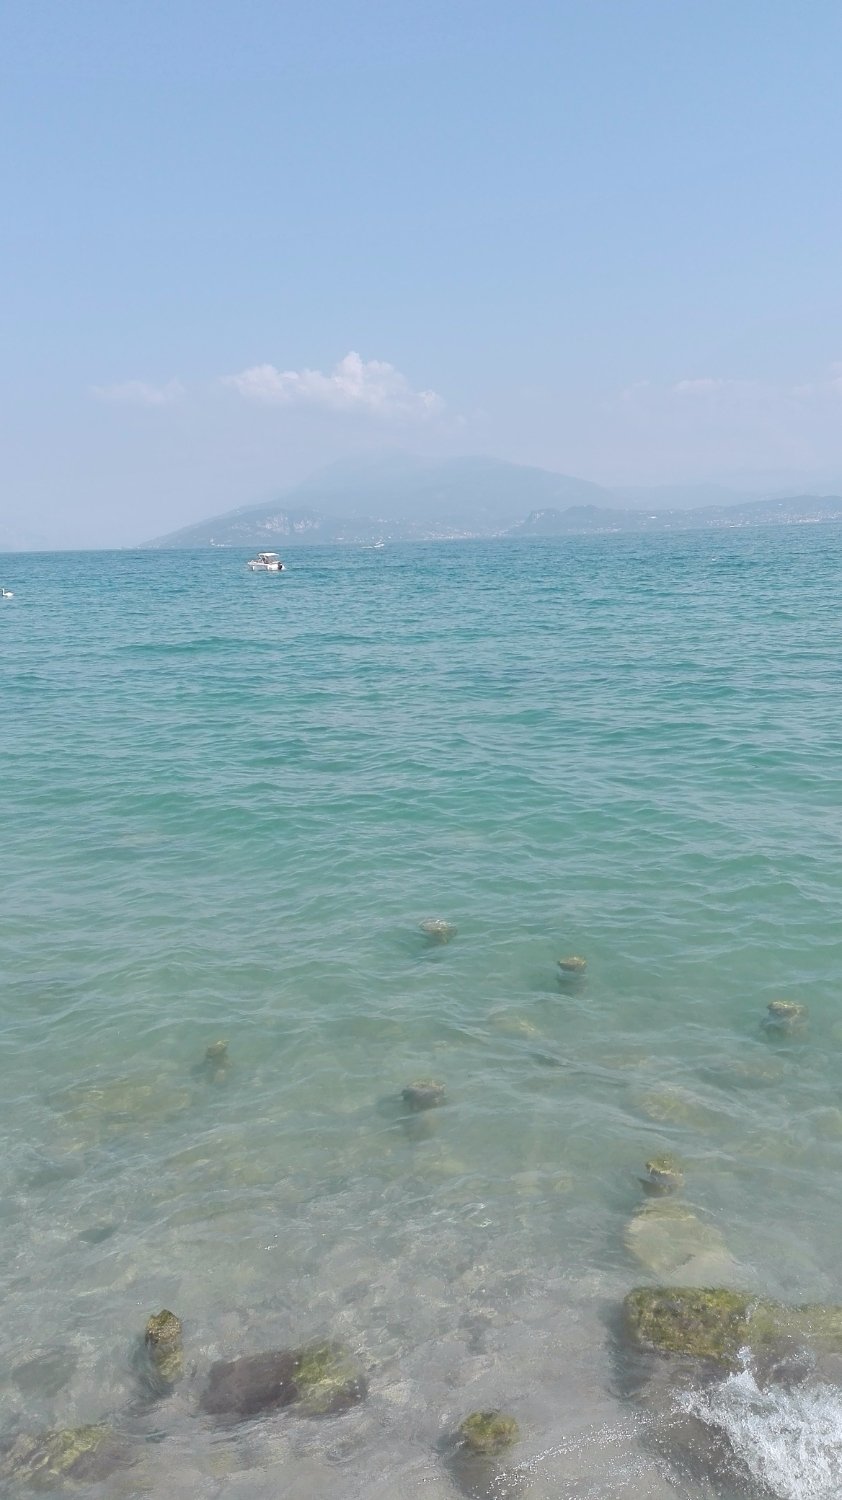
(572, 965)
(785, 1016)
(437, 930)
(714, 1323)
(216, 1062)
(488, 1433)
(45, 1458)
(664, 1174)
(321, 1379)
(328, 1379)
(163, 1341)
(509, 1023)
(425, 1093)
(664, 1236)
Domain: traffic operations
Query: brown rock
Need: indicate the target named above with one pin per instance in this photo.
(241, 1388)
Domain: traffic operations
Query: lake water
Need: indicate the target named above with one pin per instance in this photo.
(227, 802)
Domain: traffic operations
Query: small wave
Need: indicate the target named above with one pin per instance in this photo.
(789, 1439)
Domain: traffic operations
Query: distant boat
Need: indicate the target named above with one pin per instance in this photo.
(266, 562)
(378, 545)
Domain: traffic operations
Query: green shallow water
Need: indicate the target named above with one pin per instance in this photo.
(227, 802)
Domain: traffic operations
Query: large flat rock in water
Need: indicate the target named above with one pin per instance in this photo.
(321, 1379)
(716, 1324)
(256, 1383)
(668, 1237)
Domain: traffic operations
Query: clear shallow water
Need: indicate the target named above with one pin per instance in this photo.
(228, 800)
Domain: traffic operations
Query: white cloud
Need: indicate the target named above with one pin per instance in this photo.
(722, 392)
(703, 387)
(835, 381)
(140, 393)
(709, 425)
(828, 384)
(353, 385)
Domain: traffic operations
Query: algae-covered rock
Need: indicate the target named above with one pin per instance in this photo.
(663, 1174)
(328, 1379)
(664, 1236)
(488, 1432)
(163, 1341)
(425, 1093)
(216, 1062)
(437, 930)
(716, 1324)
(784, 1016)
(572, 965)
(322, 1379)
(509, 1023)
(75, 1453)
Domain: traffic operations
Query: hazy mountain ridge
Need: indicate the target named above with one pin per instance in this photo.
(395, 497)
(594, 520)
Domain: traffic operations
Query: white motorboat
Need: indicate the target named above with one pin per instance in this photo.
(266, 562)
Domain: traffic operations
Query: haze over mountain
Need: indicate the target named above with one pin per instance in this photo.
(462, 496)
(398, 497)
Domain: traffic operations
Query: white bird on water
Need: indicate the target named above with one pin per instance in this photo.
(6, 594)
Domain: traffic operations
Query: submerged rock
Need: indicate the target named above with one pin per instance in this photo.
(663, 1174)
(746, 1072)
(216, 1062)
(716, 1324)
(488, 1432)
(321, 1379)
(78, 1453)
(240, 1388)
(164, 1351)
(785, 1016)
(425, 1093)
(572, 965)
(827, 1122)
(509, 1023)
(665, 1236)
(671, 1104)
(97, 1111)
(45, 1374)
(97, 1233)
(436, 930)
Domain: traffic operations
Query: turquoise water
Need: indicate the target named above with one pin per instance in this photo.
(227, 802)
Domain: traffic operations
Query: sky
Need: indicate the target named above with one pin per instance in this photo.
(243, 239)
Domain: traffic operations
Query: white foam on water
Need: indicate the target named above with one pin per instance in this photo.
(790, 1439)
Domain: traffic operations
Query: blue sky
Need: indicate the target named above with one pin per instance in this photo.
(242, 240)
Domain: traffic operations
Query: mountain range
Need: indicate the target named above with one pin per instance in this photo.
(395, 497)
